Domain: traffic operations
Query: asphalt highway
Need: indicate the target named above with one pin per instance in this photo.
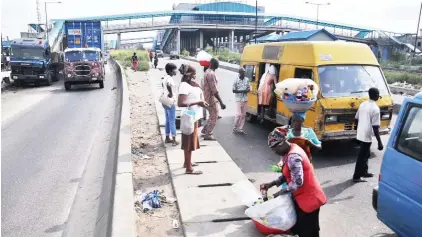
(55, 146)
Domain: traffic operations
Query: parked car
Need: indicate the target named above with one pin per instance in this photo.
(159, 53)
(83, 66)
(398, 197)
(174, 55)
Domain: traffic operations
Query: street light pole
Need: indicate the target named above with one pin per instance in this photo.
(317, 6)
(46, 17)
(417, 31)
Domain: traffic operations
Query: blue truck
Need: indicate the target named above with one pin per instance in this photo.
(32, 62)
(84, 34)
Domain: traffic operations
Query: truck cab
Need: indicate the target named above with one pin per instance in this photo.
(83, 66)
(398, 197)
(31, 62)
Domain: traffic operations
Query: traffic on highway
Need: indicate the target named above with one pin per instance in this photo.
(213, 119)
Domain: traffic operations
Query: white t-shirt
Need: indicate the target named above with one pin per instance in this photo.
(194, 94)
(168, 80)
(368, 115)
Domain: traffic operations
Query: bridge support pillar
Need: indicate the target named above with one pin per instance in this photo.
(178, 42)
(231, 39)
(119, 39)
(201, 39)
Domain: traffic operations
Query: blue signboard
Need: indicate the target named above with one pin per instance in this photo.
(81, 34)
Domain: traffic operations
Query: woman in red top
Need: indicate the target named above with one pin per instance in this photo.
(299, 175)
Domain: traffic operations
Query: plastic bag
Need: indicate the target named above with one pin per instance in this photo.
(297, 89)
(246, 192)
(204, 58)
(187, 121)
(278, 213)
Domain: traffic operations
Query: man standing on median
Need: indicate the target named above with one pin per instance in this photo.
(367, 120)
(212, 97)
(241, 88)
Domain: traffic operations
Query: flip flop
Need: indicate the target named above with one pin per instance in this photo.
(209, 138)
(175, 143)
(193, 165)
(194, 172)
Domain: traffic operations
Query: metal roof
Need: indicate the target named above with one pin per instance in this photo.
(304, 35)
(294, 36)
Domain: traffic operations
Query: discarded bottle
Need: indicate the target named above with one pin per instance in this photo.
(146, 207)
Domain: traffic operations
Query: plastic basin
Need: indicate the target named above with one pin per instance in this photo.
(268, 230)
(298, 106)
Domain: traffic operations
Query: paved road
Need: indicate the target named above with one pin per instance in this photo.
(348, 212)
(55, 146)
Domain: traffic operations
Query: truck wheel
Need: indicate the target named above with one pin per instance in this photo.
(67, 86)
(101, 84)
(48, 81)
(56, 77)
(17, 83)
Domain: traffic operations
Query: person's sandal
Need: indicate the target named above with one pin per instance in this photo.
(175, 143)
(209, 138)
(168, 140)
(194, 172)
(242, 132)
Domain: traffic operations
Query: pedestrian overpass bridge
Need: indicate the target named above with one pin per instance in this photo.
(237, 24)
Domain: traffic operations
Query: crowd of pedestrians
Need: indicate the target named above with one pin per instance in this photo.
(293, 143)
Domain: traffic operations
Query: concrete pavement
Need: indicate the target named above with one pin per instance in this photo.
(57, 148)
(201, 208)
(348, 212)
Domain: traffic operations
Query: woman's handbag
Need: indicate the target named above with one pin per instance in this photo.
(165, 100)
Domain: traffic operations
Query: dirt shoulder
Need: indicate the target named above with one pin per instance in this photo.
(150, 168)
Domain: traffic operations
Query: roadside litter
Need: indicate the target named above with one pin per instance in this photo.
(175, 224)
(270, 215)
(138, 153)
(152, 200)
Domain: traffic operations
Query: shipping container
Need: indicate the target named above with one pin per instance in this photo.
(81, 34)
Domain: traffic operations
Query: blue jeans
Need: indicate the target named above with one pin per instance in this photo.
(170, 120)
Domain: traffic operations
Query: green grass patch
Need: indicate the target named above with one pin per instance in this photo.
(411, 78)
(124, 57)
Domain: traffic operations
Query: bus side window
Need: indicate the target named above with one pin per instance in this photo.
(250, 72)
(304, 73)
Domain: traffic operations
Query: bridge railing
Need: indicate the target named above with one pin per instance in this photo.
(247, 22)
(190, 22)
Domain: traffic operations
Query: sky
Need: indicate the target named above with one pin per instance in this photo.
(391, 15)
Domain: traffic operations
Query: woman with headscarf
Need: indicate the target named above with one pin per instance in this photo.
(265, 90)
(191, 97)
(301, 136)
(302, 184)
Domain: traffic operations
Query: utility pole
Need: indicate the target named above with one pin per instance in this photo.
(46, 17)
(256, 20)
(318, 5)
(417, 30)
(38, 16)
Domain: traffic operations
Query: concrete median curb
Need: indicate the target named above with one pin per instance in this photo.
(123, 217)
(394, 89)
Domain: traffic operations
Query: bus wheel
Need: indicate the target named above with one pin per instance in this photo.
(250, 118)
